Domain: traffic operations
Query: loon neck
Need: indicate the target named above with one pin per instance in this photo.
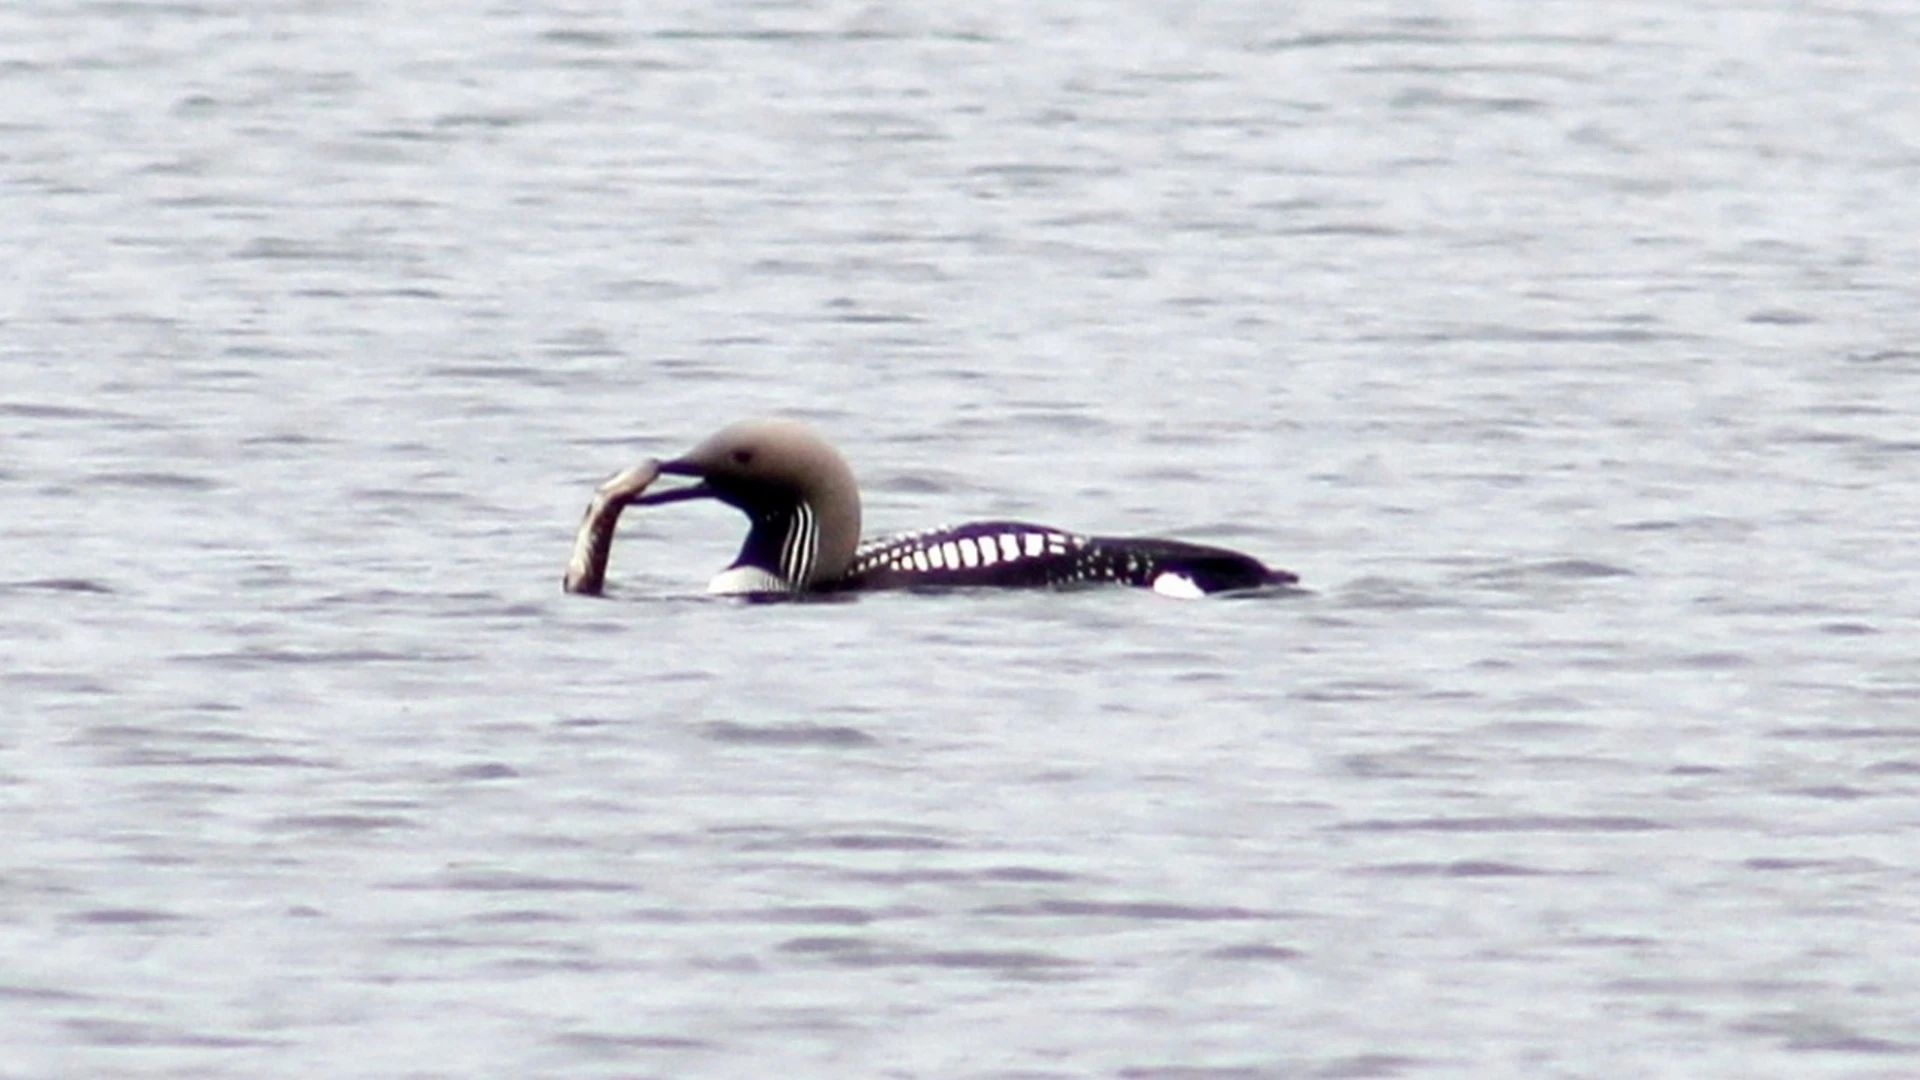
(782, 552)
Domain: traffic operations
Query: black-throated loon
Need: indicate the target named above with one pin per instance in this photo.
(803, 508)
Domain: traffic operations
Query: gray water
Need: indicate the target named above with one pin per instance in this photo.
(1569, 351)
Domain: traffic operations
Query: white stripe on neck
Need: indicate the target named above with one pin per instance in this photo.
(801, 545)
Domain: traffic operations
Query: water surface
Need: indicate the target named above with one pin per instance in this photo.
(1567, 351)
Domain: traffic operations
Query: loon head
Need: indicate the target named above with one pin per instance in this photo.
(800, 498)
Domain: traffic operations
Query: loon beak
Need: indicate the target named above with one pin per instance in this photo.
(701, 490)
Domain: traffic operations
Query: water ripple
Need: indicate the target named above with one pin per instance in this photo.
(1500, 824)
(857, 952)
(1464, 868)
(58, 584)
(831, 736)
(1137, 910)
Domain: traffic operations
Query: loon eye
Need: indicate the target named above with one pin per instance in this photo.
(743, 457)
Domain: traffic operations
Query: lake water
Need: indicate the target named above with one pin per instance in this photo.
(1569, 352)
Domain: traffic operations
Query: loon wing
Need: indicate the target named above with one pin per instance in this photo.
(1018, 554)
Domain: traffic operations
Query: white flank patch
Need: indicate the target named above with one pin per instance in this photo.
(969, 555)
(1179, 586)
